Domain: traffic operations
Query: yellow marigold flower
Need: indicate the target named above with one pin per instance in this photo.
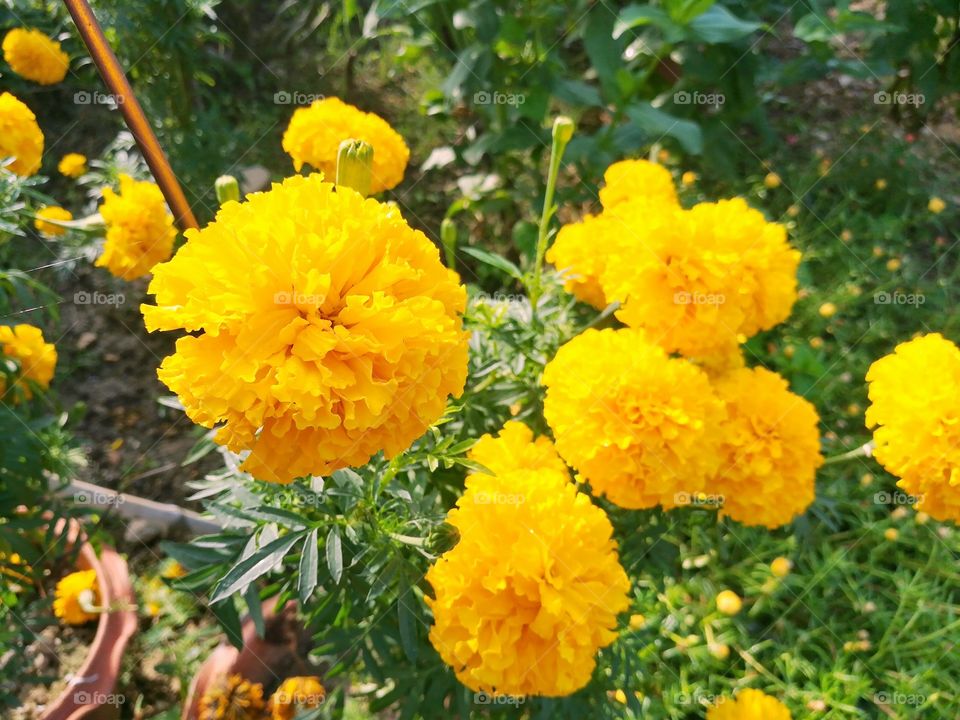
(749, 705)
(637, 424)
(770, 447)
(772, 181)
(37, 360)
(578, 255)
(532, 589)
(20, 136)
(74, 595)
(701, 280)
(140, 230)
(631, 179)
(33, 55)
(73, 165)
(827, 310)
(781, 566)
(728, 602)
(234, 699)
(515, 449)
(916, 425)
(296, 693)
(936, 205)
(52, 212)
(315, 133)
(325, 329)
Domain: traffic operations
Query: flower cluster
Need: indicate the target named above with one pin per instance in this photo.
(36, 360)
(140, 230)
(770, 449)
(234, 699)
(20, 136)
(637, 424)
(749, 705)
(629, 180)
(916, 421)
(72, 165)
(52, 212)
(33, 55)
(532, 589)
(325, 329)
(75, 596)
(314, 135)
(294, 694)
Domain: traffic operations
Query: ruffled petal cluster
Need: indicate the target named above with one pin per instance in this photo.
(639, 426)
(36, 358)
(33, 55)
(20, 136)
(515, 449)
(52, 212)
(770, 449)
(749, 705)
(74, 592)
(72, 165)
(140, 231)
(236, 698)
(295, 694)
(324, 329)
(532, 589)
(633, 189)
(314, 135)
(915, 417)
(701, 281)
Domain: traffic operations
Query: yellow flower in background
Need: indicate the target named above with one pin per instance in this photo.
(73, 165)
(635, 423)
(20, 136)
(314, 135)
(881, 184)
(324, 329)
(631, 179)
(296, 693)
(936, 205)
(33, 55)
(781, 566)
(37, 360)
(688, 178)
(915, 420)
(770, 449)
(827, 310)
(728, 602)
(515, 449)
(532, 589)
(234, 699)
(772, 181)
(140, 230)
(701, 281)
(579, 252)
(52, 212)
(74, 595)
(749, 705)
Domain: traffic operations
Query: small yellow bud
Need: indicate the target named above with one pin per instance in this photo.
(891, 534)
(894, 264)
(936, 205)
(688, 178)
(921, 518)
(772, 181)
(816, 343)
(793, 210)
(846, 236)
(721, 651)
(227, 188)
(828, 309)
(781, 567)
(880, 184)
(354, 163)
(866, 479)
(637, 621)
(729, 603)
(563, 128)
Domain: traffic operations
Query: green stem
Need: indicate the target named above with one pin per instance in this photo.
(865, 450)
(562, 132)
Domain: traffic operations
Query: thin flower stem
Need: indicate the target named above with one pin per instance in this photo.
(562, 132)
(865, 450)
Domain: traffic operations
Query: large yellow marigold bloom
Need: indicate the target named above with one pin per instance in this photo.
(635, 423)
(294, 694)
(770, 449)
(532, 589)
(325, 329)
(515, 449)
(72, 593)
(579, 252)
(37, 360)
(52, 212)
(315, 133)
(140, 230)
(749, 705)
(915, 418)
(33, 55)
(234, 699)
(629, 180)
(72, 165)
(702, 280)
(20, 136)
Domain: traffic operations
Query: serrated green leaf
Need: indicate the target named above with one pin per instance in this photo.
(309, 560)
(334, 552)
(260, 563)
